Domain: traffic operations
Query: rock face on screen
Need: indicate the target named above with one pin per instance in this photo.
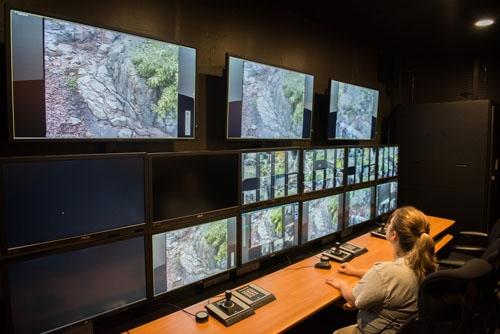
(273, 102)
(100, 83)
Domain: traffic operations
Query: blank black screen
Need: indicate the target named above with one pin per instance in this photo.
(51, 200)
(187, 185)
(57, 290)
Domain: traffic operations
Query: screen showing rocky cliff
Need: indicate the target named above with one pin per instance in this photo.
(353, 112)
(74, 81)
(359, 205)
(191, 254)
(321, 217)
(267, 102)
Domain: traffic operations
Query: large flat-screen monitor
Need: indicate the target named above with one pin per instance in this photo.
(353, 112)
(50, 199)
(388, 161)
(321, 217)
(192, 254)
(268, 231)
(54, 291)
(74, 81)
(193, 184)
(323, 169)
(358, 204)
(268, 175)
(361, 162)
(267, 102)
(387, 198)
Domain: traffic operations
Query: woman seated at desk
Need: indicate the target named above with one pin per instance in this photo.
(386, 295)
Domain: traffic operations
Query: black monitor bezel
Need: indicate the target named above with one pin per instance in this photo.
(372, 206)
(9, 86)
(226, 79)
(341, 213)
(281, 251)
(81, 239)
(324, 191)
(164, 229)
(378, 162)
(176, 221)
(370, 140)
(7, 261)
(388, 213)
(273, 201)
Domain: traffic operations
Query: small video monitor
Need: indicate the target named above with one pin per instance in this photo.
(269, 175)
(323, 169)
(321, 217)
(192, 254)
(52, 292)
(353, 112)
(388, 161)
(361, 163)
(270, 230)
(359, 205)
(387, 198)
(268, 102)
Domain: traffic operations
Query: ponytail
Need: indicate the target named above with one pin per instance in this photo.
(417, 246)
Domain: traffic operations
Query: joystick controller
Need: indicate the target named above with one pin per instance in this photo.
(379, 232)
(227, 304)
(336, 250)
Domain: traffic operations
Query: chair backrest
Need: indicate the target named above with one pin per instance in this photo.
(457, 300)
(495, 232)
(492, 256)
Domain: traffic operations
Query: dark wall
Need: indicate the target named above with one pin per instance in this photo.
(451, 77)
(256, 30)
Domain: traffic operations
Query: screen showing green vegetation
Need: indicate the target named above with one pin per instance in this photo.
(268, 231)
(323, 169)
(388, 161)
(85, 82)
(321, 217)
(268, 102)
(191, 254)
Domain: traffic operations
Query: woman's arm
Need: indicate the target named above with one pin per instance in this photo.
(349, 269)
(344, 287)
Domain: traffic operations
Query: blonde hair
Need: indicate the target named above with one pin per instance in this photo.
(412, 228)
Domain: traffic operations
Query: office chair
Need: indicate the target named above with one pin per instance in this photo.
(476, 244)
(460, 300)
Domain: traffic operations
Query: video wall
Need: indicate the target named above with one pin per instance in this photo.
(189, 202)
(161, 222)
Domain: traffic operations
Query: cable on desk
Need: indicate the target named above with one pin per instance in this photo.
(179, 308)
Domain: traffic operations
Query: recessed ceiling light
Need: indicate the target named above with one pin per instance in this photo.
(484, 23)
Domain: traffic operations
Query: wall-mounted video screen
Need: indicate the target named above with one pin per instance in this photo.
(48, 200)
(269, 175)
(85, 82)
(190, 184)
(323, 169)
(267, 102)
(387, 197)
(353, 112)
(321, 217)
(268, 231)
(359, 205)
(58, 290)
(361, 162)
(388, 161)
(191, 254)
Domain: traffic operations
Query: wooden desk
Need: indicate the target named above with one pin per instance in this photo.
(300, 291)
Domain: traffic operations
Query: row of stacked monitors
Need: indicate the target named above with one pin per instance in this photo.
(46, 199)
(267, 175)
(263, 101)
(190, 254)
(180, 257)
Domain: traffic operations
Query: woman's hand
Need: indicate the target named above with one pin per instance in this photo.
(335, 282)
(347, 268)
